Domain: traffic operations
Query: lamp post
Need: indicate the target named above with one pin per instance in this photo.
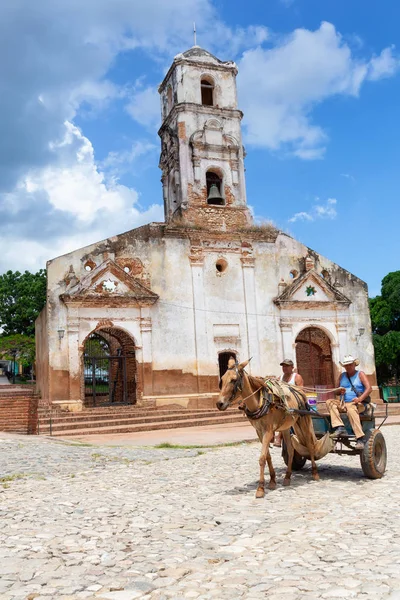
(13, 353)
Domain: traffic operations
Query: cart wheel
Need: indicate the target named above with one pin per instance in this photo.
(298, 460)
(374, 455)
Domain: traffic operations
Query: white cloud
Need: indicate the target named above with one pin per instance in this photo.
(348, 176)
(144, 107)
(318, 211)
(280, 86)
(53, 194)
(301, 216)
(72, 204)
(118, 163)
(384, 65)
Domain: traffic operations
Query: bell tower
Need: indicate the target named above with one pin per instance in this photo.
(202, 157)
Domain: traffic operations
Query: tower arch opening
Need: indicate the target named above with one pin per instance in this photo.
(170, 100)
(207, 91)
(214, 184)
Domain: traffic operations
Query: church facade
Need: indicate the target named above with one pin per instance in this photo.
(151, 316)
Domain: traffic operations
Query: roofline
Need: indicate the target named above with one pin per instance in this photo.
(107, 240)
(364, 283)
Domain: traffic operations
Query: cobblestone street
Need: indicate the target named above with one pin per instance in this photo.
(120, 523)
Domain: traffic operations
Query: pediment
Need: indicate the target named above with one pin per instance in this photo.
(311, 289)
(109, 282)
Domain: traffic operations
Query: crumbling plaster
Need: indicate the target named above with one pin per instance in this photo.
(195, 300)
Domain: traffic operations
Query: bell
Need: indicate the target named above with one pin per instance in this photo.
(214, 195)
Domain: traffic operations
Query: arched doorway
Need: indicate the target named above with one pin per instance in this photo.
(109, 368)
(314, 358)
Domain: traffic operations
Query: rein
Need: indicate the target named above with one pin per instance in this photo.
(250, 395)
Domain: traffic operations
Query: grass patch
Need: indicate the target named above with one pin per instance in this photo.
(120, 459)
(71, 443)
(7, 479)
(168, 446)
(96, 456)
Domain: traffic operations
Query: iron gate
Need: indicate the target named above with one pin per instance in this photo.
(109, 373)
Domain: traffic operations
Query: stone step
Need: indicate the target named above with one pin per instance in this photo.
(104, 420)
(111, 427)
(63, 425)
(16, 394)
(87, 416)
(115, 410)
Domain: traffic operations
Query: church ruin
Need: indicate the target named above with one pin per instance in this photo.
(151, 316)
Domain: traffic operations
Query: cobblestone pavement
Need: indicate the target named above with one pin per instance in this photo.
(124, 523)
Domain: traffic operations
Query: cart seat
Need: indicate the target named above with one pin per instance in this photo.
(369, 416)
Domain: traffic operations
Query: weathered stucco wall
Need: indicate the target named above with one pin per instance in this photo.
(202, 311)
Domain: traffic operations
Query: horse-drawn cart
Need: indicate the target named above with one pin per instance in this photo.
(372, 457)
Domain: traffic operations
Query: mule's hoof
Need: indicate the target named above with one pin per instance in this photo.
(316, 477)
(286, 482)
(260, 493)
(272, 486)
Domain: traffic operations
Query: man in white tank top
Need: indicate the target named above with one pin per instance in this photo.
(292, 378)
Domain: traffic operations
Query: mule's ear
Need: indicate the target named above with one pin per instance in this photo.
(243, 364)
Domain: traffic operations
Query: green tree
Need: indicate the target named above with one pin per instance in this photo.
(20, 347)
(22, 297)
(385, 318)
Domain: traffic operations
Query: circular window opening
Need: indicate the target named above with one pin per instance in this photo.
(221, 265)
(89, 265)
(294, 274)
(126, 269)
(325, 275)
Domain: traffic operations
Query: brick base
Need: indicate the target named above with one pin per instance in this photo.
(18, 414)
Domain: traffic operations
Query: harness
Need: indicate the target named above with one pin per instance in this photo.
(237, 386)
(266, 401)
(270, 389)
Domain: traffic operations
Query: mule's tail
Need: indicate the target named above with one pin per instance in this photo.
(305, 437)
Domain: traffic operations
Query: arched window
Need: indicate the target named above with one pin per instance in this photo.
(214, 189)
(207, 92)
(169, 98)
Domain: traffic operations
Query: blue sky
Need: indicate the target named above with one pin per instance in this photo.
(319, 83)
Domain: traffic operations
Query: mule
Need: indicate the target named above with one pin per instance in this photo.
(268, 404)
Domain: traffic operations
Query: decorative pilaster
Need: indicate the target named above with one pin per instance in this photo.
(146, 332)
(196, 258)
(343, 338)
(74, 357)
(249, 286)
(145, 358)
(287, 341)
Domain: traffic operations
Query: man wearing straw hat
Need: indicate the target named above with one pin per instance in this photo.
(354, 389)
(288, 376)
